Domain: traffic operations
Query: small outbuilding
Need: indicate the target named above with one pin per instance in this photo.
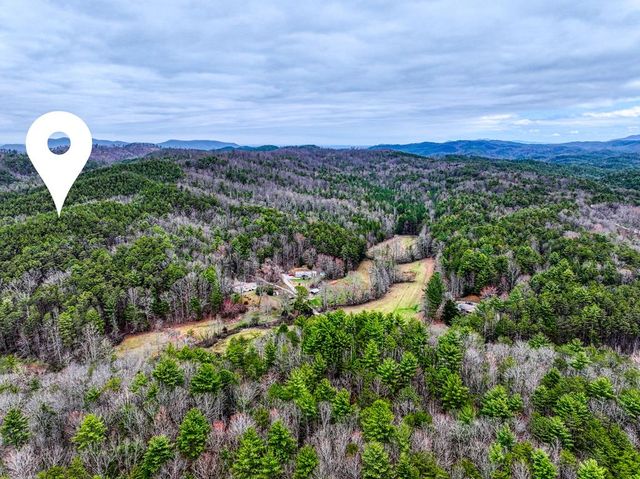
(466, 307)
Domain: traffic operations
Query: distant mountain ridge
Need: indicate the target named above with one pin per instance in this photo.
(197, 144)
(498, 149)
(176, 144)
(516, 150)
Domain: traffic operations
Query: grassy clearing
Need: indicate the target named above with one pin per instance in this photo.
(359, 276)
(152, 342)
(356, 284)
(267, 308)
(403, 298)
(143, 344)
(249, 334)
(399, 246)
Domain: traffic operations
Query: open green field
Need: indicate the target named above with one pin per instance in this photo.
(358, 276)
(249, 334)
(403, 298)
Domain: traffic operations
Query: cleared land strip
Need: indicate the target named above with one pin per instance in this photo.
(403, 298)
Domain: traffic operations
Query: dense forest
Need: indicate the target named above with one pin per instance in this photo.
(540, 381)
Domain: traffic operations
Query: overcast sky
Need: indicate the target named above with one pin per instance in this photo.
(330, 73)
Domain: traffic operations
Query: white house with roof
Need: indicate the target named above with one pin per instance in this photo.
(303, 273)
(242, 287)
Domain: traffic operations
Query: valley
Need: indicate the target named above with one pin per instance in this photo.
(403, 298)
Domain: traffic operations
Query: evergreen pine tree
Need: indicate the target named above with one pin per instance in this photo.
(506, 438)
(270, 467)
(193, 433)
(91, 432)
(205, 380)
(601, 388)
(630, 402)
(158, 452)
(15, 428)
(375, 462)
(449, 312)
(93, 317)
(168, 373)
(377, 421)
(371, 357)
(449, 352)
(454, 394)
(497, 403)
(590, 469)
(324, 391)
(281, 442)
(216, 297)
(270, 353)
(405, 468)
(341, 405)
(466, 414)
(434, 294)
(541, 466)
(76, 470)
(307, 404)
(408, 367)
(248, 460)
(306, 463)
(389, 373)
(67, 328)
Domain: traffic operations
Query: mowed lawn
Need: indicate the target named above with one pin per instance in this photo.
(404, 299)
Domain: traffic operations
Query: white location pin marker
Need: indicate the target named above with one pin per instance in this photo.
(59, 172)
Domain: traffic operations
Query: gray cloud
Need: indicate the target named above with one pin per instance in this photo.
(358, 72)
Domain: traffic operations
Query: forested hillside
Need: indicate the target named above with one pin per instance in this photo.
(539, 381)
